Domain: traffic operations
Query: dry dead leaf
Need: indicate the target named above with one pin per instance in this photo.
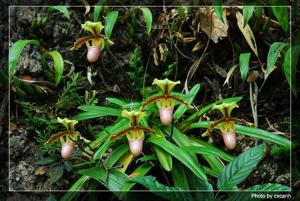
(229, 74)
(163, 50)
(40, 171)
(198, 46)
(155, 56)
(210, 23)
(247, 32)
(12, 126)
(87, 6)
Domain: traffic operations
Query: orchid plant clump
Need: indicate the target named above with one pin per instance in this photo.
(95, 42)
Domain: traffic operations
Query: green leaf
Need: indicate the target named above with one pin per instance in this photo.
(62, 9)
(287, 66)
(295, 57)
(96, 13)
(96, 112)
(103, 148)
(269, 187)
(167, 192)
(240, 168)
(218, 8)
(75, 187)
(248, 9)
(185, 124)
(179, 176)
(110, 20)
(180, 155)
(202, 143)
(164, 158)
(211, 150)
(55, 173)
(116, 101)
(58, 65)
(281, 13)
(273, 55)
(182, 109)
(111, 179)
(148, 18)
(140, 171)
(15, 52)
(252, 132)
(115, 155)
(244, 64)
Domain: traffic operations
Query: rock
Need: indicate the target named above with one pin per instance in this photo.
(30, 61)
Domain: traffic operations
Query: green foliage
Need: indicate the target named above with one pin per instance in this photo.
(218, 8)
(110, 20)
(244, 64)
(169, 70)
(15, 52)
(63, 9)
(240, 168)
(58, 65)
(136, 74)
(148, 18)
(169, 193)
(273, 56)
(281, 13)
(70, 98)
(248, 9)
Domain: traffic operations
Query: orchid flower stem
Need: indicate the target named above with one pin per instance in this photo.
(90, 156)
(172, 130)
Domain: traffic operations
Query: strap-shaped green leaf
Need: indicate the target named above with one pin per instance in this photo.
(164, 158)
(180, 155)
(91, 112)
(115, 155)
(75, 187)
(110, 20)
(182, 108)
(62, 9)
(15, 52)
(240, 168)
(113, 180)
(58, 65)
(218, 8)
(244, 64)
(281, 13)
(248, 9)
(148, 18)
(273, 55)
